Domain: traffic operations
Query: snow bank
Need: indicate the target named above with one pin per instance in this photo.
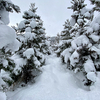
(3, 96)
(54, 84)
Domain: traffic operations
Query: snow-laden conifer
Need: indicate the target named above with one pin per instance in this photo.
(82, 55)
(65, 39)
(7, 41)
(31, 54)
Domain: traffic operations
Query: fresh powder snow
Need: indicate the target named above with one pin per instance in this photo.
(55, 83)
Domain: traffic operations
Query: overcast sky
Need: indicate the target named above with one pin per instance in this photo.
(53, 12)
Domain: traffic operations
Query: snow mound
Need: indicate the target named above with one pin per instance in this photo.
(3, 96)
(54, 84)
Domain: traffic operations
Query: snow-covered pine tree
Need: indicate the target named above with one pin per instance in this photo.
(7, 41)
(30, 56)
(64, 40)
(65, 34)
(33, 23)
(80, 57)
(94, 37)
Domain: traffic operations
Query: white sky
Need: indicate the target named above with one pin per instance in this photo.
(52, 12)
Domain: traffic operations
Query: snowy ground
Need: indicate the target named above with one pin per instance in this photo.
(54, 84)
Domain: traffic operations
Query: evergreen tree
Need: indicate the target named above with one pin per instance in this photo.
(33, 48)
(94, 37)
(32, 23)
(65, 34)
(80, 56)
(7, 40)
(65, 39)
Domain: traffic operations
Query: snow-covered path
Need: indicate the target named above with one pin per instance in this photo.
(54, 84)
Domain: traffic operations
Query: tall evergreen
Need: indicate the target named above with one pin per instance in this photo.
(65, 34)
(65, 38)
(33, 48)
(81, 56)
(32, 23)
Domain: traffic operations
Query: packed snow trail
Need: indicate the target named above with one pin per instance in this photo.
(54, 84)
